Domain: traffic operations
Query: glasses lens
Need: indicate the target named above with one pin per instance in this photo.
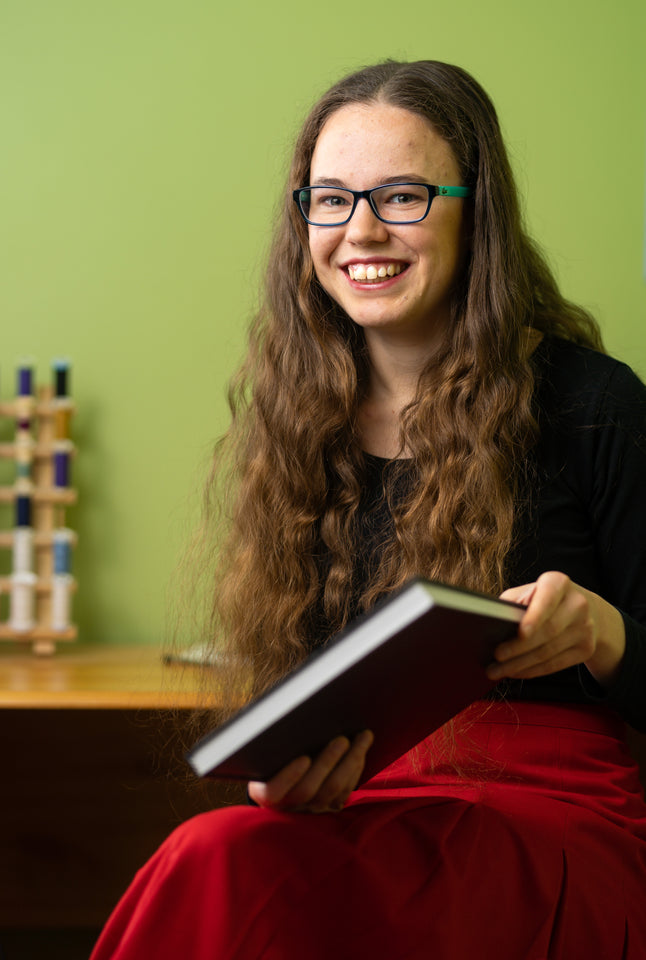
(326, 206)
(402, 202)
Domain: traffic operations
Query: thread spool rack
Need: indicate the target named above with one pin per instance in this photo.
(40, 585)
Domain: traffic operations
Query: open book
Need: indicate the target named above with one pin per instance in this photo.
(402, 670)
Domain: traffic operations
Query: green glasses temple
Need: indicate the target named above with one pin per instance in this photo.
(454, 191)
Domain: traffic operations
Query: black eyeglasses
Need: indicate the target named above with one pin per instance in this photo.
(390, 202)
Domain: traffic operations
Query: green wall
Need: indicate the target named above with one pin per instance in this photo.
(142, 151)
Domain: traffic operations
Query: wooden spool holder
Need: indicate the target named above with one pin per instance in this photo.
(48, 504)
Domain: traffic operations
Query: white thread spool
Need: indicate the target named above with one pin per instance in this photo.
(61, 600)
(23, 591)
(23, 550)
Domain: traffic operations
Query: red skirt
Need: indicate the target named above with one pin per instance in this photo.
(535, 849)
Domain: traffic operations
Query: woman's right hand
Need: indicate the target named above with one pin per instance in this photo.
(316, 786)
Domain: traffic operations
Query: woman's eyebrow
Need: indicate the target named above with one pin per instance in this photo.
(328, 182)
(405, 178)
(397, 178)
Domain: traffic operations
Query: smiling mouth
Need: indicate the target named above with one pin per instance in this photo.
(374, 272)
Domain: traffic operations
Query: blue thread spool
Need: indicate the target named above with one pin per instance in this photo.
(62, 452)
(25, 402)
(23, 510)
(62, 548)
(24, 378)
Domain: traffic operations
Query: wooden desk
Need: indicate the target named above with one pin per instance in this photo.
(94, 777)
(98, 677)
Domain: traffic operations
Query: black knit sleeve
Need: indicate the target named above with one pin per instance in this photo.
(584, 512)
(617, 506)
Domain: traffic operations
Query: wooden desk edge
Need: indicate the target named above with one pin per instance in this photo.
(102, 700)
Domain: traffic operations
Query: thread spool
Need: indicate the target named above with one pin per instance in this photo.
(61, 403)
(62, 415)
(24, 380)
(23, 509)
(24, 455)
(23, 591)
(23, 550)
(60, 371)
(61, 601)
(62, 540)
(62, 456)
(23, 535)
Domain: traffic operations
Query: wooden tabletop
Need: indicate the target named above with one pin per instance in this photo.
(103, 677)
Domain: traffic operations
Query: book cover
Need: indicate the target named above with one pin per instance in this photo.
(401, 670)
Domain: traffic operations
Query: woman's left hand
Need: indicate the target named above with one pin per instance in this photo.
(564, 625)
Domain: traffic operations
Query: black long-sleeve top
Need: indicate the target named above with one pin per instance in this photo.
(585, 511)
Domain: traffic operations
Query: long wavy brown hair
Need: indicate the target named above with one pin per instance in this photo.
(287, 478)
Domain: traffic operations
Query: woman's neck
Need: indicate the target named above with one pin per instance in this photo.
(394, 378)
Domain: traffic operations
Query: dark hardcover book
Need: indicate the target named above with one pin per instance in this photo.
(402, 671)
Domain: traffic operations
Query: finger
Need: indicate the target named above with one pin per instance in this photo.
(308, 786)
(343, 779)
(522, 594)
(567, 638)
(273, 791)
(538, 664)
(549, 592)
(543, 599)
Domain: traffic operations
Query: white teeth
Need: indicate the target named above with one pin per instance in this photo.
(373, 271)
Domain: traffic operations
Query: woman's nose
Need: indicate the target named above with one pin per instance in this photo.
(365, 226)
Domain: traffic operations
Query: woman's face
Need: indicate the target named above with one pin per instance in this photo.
(365, 145)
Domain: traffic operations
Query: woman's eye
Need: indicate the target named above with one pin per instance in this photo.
(404, 198)
(333, 200)
(402, 194)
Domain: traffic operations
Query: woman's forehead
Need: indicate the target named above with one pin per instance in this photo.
(379, 141)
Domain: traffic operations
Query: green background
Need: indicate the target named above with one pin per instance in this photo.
(143, 147)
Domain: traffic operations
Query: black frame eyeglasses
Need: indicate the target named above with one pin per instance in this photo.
(334, 206)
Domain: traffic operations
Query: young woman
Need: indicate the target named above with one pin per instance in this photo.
(419, 398)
